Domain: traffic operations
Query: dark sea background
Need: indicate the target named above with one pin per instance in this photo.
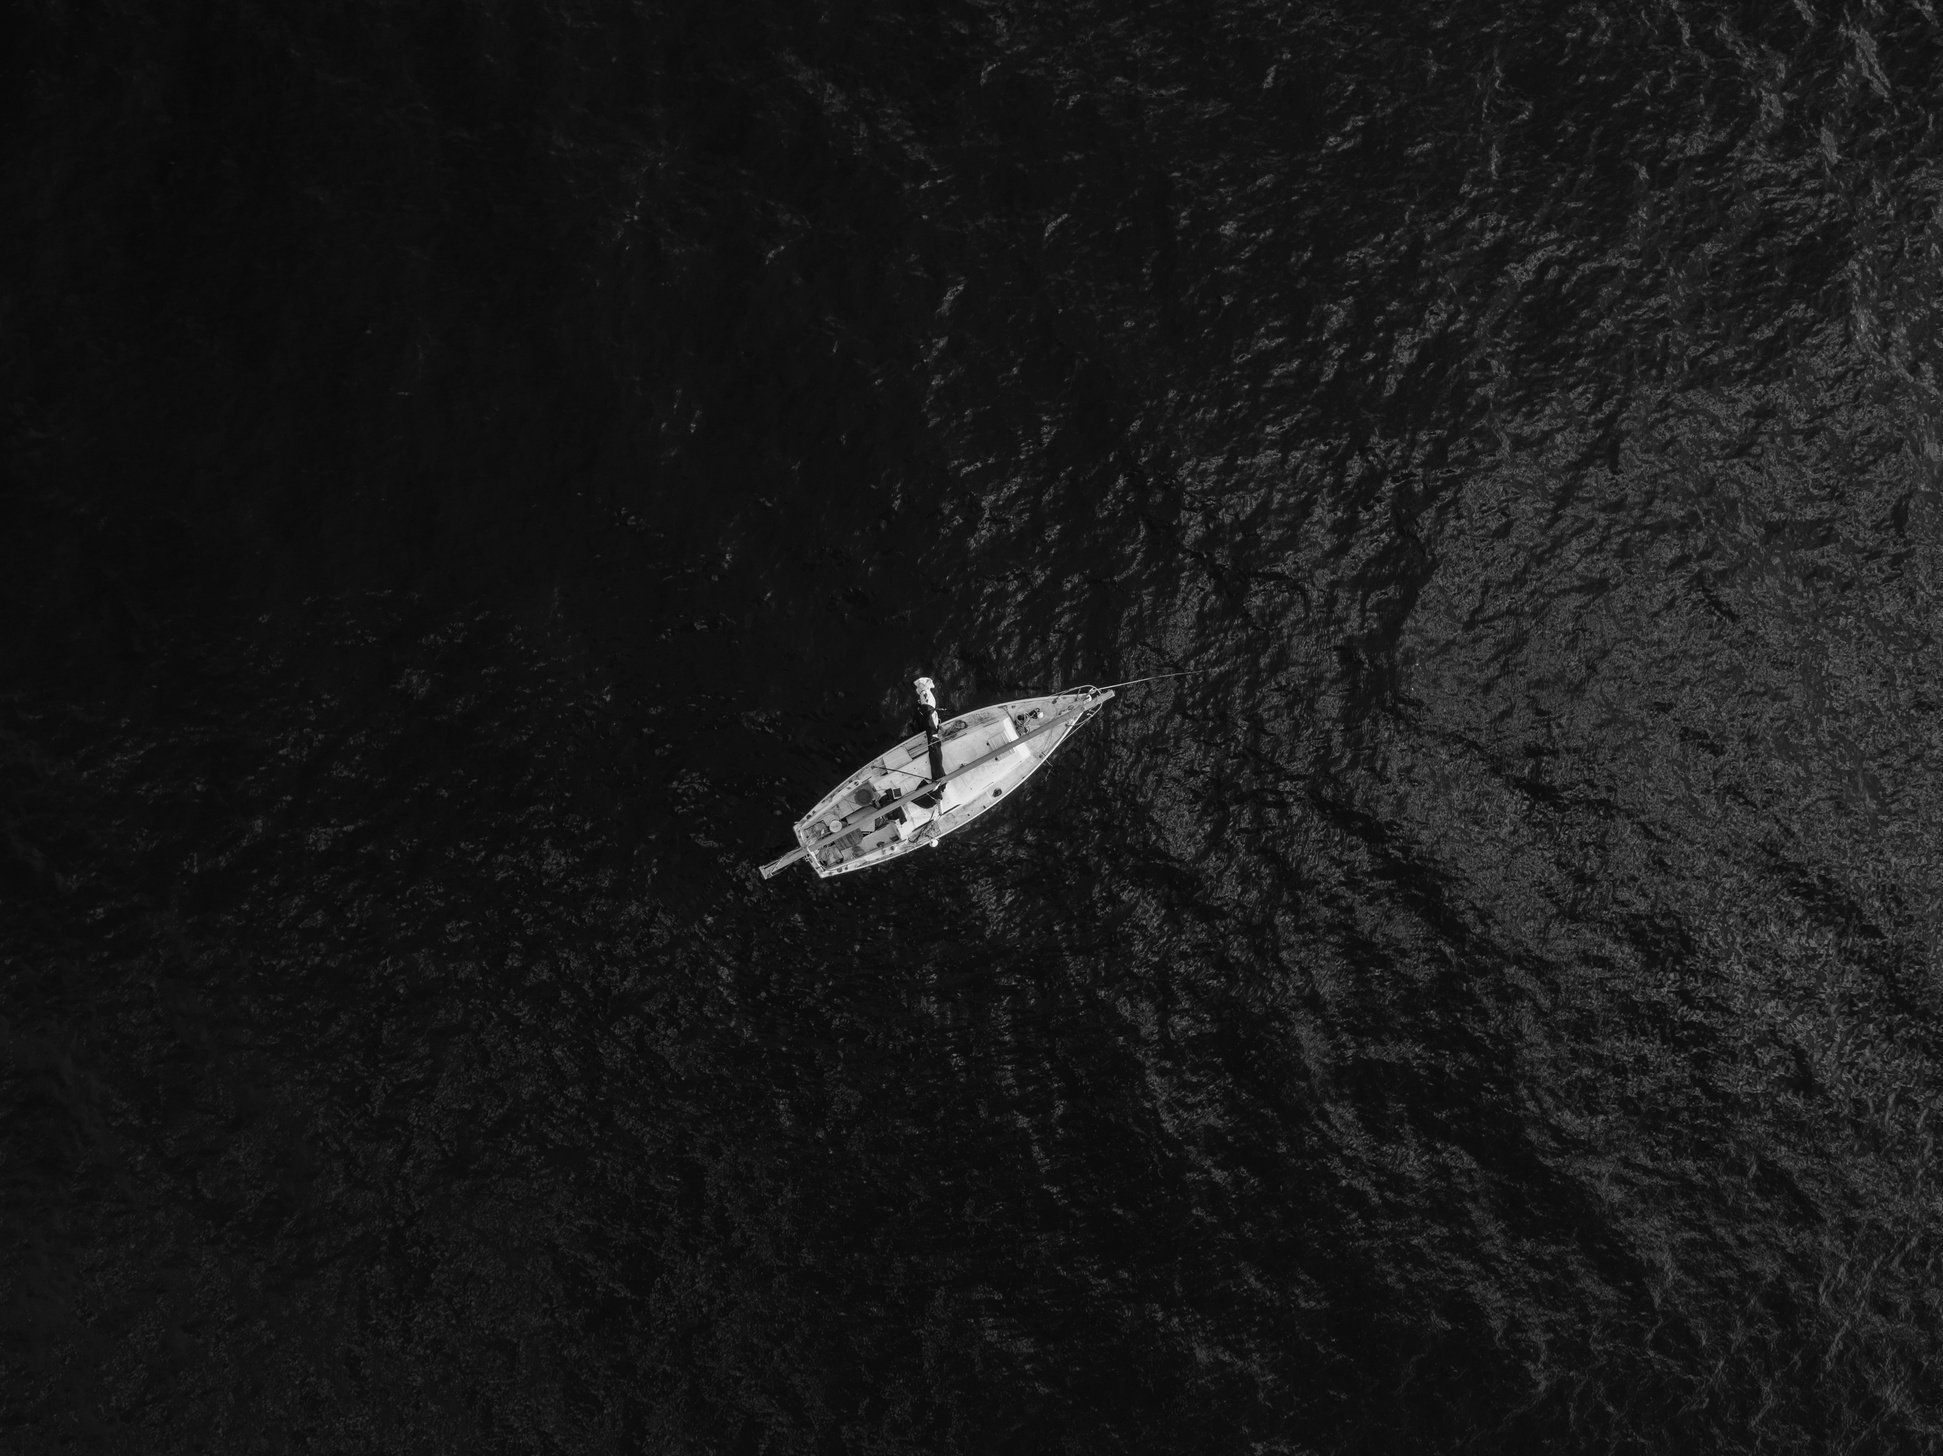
(475, 472)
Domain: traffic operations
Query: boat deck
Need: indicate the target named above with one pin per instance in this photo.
(882, 810)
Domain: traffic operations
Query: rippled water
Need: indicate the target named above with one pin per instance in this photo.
(473, 478)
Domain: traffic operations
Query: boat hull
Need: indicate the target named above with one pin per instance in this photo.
(882, 811)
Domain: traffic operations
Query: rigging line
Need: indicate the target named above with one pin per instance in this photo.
(1157, 677)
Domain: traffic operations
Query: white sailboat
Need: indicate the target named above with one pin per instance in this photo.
(938, 781)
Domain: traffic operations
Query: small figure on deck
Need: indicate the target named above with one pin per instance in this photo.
(925, 715)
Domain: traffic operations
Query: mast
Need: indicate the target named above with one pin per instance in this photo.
(928, 709)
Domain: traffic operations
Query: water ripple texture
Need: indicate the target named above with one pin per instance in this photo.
(473, 475)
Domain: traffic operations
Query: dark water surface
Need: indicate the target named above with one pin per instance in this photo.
(475, 472)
